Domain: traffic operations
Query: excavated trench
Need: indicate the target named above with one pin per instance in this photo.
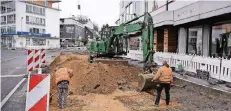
(113, 87)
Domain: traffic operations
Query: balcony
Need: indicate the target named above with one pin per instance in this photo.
(11, 22)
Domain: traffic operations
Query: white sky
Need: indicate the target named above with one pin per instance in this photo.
(99, 11)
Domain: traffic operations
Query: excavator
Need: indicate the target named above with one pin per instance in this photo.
(116, 43)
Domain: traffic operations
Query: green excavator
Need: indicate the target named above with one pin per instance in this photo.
(116, 43)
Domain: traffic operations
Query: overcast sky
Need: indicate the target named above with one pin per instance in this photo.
(99, 11)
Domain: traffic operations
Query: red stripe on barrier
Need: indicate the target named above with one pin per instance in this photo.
(35, 80)
(36, 51)
(31, 69)
(44, 61)
(41, 105)
(36, 58)
(43, 55)
(37, 66)
(29, 51)
(30, 61)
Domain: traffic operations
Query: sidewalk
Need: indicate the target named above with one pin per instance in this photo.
(219, 87)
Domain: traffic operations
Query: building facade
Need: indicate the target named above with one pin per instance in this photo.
(190, 27)
(26, 23)
(71, 32)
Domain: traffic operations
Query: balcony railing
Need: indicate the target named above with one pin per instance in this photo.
(10, 10)
(29, 11)
(10, 22)
(32, 23)
(3, 23)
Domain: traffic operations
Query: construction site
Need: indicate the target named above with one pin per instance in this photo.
(114, 87)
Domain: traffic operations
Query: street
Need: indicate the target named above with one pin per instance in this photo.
(13, 62)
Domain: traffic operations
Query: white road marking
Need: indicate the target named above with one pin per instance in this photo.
(8, 60)
(13, 75)
(11, 92)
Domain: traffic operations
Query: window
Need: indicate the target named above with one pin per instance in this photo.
(195, 40)
(35, 9)
(193, 33)
(221, 40)
(44, 22)
(38, 42)
(3, 9)
(11, 29)
(27, 41)
(3, 20)
(155, 6)
(129, 12)
(3, 29)
(10, 6)
(27, 20)
(44, 3)
(35, 20)
(11, 19)
(44, 31)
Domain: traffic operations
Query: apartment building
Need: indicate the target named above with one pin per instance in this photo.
(191, 27)
(26, 23)
(71, 32)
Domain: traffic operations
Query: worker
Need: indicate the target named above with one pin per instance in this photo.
(62, 76)
(164, 80)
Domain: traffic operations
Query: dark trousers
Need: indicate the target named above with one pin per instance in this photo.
(62, 88)
(159, 88)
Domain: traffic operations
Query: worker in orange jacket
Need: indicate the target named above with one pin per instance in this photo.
(62, 78)
(164, 80)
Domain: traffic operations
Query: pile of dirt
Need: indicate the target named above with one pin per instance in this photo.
(94, 78)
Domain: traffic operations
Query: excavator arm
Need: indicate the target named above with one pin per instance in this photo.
(112, 46)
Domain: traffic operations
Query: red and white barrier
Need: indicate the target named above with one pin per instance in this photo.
(37, 60)
(43, 56)
(30, 60)
(38, 91)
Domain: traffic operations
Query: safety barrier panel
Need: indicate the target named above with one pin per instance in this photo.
(217, 67)
(38, 91)
(225, 70)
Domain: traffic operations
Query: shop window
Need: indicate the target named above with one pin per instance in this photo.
(195, 40)
(221, 40)
(27, 41)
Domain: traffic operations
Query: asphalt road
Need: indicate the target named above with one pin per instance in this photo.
(13, 62)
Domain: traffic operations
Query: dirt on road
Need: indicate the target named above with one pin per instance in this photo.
(112, 87)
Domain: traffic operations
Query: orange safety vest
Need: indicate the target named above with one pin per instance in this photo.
(164, 75)
(63, 74)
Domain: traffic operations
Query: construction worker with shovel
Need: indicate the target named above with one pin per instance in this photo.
(164, 79)
(62, 78)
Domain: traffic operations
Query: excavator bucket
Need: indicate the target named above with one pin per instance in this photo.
(145, 80)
